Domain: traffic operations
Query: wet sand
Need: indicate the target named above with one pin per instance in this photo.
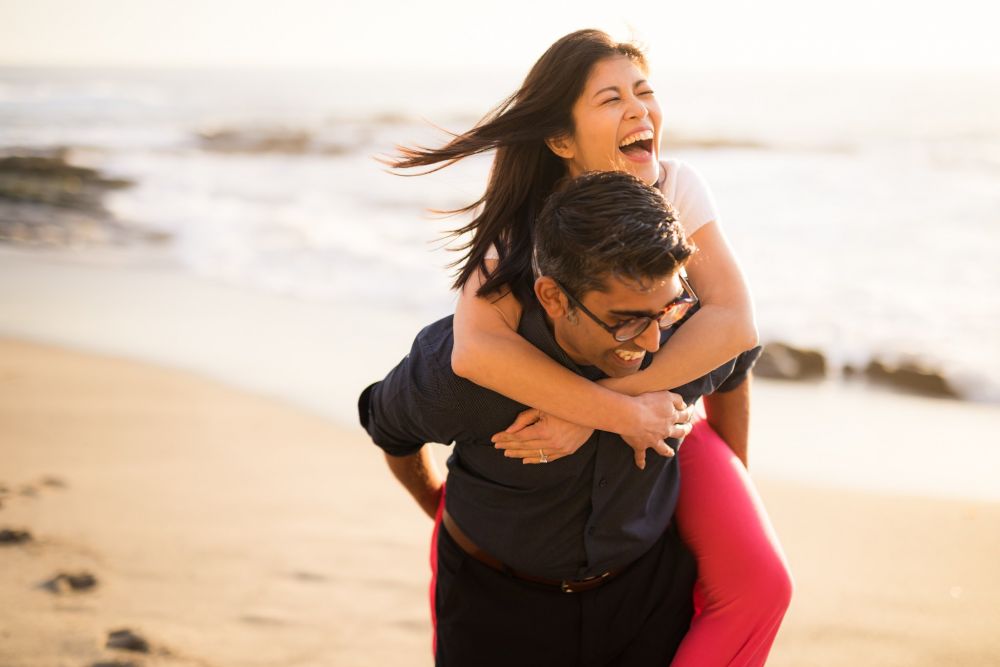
(230, 529)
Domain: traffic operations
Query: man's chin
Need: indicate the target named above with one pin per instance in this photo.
(617, 367)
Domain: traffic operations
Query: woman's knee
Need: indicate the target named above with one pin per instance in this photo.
(773, 584)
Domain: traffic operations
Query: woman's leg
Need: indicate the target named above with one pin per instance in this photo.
(744, 585)
(434, 569)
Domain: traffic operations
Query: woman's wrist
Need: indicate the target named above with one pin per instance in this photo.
(625, 413)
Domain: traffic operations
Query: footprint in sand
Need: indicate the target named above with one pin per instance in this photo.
(33, 490)
(53, 482)
(127, 640)
(65, 582)
(14, 536)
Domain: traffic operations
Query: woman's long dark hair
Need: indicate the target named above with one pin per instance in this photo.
(524, 170)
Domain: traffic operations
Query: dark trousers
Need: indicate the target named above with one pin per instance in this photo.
(487, 618)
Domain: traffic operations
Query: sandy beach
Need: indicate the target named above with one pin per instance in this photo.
(226, 528)
(204, 258)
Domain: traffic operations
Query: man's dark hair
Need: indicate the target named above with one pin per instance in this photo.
(607, 224)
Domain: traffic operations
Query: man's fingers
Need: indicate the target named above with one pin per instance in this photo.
(680, 431)
(640, 459)
(663, 449)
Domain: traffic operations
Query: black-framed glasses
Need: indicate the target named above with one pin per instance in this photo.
(625, 331)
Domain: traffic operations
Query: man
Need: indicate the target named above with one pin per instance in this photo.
(573, 562)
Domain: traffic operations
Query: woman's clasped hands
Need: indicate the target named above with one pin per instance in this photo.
(539, 437)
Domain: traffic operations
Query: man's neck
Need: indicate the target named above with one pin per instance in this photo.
(569, 356)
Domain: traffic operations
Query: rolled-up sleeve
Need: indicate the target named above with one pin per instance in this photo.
(406, 410)
(741, 371)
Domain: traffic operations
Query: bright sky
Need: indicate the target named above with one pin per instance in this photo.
(440, 33)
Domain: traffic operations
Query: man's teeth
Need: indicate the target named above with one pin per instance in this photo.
(638, 136)
(627, 355)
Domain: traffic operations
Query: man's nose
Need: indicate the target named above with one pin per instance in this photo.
(649, 339)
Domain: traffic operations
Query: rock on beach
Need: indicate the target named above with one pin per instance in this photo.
(784, 362)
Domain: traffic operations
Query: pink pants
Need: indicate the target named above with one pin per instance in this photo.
(744, 585)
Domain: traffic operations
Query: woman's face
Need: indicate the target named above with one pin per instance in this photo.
(617, 123)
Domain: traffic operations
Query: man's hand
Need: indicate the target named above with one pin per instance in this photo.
(661, 415)
(538, 437)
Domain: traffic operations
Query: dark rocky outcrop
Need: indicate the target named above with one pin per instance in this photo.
(785, 362)
(51, 180)
(294, 142)
(911, 377)
(46, 200)
(279, 141)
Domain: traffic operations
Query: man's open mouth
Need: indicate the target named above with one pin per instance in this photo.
(629, 356)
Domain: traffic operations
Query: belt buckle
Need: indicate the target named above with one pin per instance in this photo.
(569, 586)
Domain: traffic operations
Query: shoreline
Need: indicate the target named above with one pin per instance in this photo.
(228, 528)
(305, 353)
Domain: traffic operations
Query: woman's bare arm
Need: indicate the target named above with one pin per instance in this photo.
(488, 349)
(490, 352)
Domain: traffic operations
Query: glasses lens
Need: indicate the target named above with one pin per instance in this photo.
(674, 313)
(631, 329)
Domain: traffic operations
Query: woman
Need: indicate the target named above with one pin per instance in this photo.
(587, 105)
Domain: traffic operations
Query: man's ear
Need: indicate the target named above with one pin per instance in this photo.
(562, 146)
(553, 300)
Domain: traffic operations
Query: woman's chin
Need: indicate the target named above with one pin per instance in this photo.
(648, 173)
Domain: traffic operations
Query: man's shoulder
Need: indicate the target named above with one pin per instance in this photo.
(431, 350)
(439, 334)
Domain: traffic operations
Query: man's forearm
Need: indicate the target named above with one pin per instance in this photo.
(729, 414)
(418, 473)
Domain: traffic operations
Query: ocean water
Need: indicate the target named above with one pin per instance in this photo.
(865, 208)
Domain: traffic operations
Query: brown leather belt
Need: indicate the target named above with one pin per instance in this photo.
(566, 586)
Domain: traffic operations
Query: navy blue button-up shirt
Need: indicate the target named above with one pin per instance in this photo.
(572, 518)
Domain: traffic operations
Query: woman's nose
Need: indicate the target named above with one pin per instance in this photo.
(637, 109)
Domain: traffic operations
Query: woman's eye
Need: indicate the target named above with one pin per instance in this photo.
(646, 92)
(611, 99)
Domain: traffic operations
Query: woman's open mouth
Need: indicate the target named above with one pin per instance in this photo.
(638, 146)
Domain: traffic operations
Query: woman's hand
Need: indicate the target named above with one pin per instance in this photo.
(661, 415)
(538, 437)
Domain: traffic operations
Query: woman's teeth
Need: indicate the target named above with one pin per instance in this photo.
(644, 135)
(628, 355)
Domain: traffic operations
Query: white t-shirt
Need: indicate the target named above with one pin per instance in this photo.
(686, 190)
